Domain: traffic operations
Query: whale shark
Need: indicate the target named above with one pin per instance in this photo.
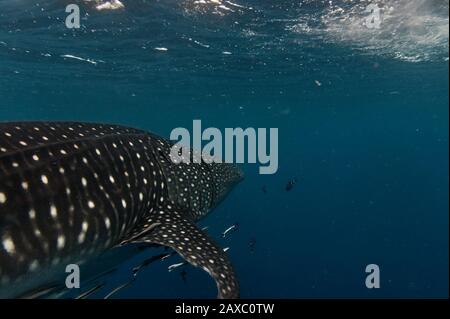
(71, 191)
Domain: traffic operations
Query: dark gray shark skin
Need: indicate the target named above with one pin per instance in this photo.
(70, 191)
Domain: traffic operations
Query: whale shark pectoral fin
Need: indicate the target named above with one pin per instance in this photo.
(199, 250)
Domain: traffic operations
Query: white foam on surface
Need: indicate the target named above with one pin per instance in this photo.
(411, 31)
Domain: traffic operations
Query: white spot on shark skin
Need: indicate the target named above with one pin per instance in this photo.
(107, 223)
(44, 179)
(34, 265)
(38, 233)
(2, 198)
(53, 212)
(61, 242)
(82, 235)
(8, 244)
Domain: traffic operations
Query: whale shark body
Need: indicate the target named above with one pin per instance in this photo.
(72, 191)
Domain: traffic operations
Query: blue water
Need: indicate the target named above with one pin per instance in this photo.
(362, 117)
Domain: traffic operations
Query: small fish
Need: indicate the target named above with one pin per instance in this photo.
(183, 275)
(233, 227)
(42, 292)
(116, 290)
(178, 265)
(175, 266)
(167, 256)
(290, 185)
(90, 292)
(149, 261)
(252, 244)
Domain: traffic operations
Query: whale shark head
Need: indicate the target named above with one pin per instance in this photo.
(201, 187)
(197, 187)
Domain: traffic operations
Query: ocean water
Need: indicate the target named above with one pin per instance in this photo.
(362, 115)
